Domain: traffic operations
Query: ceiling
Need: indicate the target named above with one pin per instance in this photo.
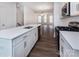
(40, 6)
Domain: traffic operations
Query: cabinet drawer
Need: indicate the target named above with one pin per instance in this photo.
(19, 39)
(22, 37)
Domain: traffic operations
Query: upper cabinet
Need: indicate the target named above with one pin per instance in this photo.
(74, 8)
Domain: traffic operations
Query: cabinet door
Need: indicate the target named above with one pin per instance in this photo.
(74, 8)
(26, 45)
(18, 50)
(61, 48)
(68, 51)
(30, 41)
(65, 49)
(5, 48)
(33, 37)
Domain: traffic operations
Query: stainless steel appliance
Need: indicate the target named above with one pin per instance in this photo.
(63, 28)
(66, 9)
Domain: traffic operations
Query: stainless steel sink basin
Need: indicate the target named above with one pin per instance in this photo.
(28, 27)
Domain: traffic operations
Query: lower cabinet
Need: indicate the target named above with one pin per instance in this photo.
(5, 48)
(66, 50)
(25, 43)
(18, 50)
(20, 46)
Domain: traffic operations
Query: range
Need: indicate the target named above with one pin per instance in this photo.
(70, 27)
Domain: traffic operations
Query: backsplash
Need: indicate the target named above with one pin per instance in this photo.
(65, 21)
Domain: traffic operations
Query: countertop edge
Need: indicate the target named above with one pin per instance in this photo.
(35, 26)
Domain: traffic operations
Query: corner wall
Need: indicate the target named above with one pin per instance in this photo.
(29, 16)
(57, 13)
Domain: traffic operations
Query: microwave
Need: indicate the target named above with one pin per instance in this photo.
(66, 9)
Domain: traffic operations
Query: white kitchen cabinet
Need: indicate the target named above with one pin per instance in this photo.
(26, 48)
(18, 50)
(74, 8)
(5, 48)
(19, 46)
(26, 45)
(32, 38)
(66, 50)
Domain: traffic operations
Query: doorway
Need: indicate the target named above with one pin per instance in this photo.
(46, 21)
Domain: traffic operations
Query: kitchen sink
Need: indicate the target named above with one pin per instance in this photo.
(28, 27)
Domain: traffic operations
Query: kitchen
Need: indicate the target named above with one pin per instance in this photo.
(23, 26)
(39, 29)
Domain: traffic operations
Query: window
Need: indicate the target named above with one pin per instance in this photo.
(51, 19)
(45, 18)
(39, 19)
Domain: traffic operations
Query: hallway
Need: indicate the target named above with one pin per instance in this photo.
(47, 45)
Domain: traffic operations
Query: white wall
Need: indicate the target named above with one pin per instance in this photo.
(19, 13)
(65, 21)
(29, 16)
(57, 13)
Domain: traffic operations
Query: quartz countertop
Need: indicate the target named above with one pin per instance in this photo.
(15, 32)
(72, 38)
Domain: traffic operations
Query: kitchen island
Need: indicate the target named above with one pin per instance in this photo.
(18, 42)
(69, 44)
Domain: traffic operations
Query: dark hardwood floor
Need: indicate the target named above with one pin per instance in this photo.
(46, 46)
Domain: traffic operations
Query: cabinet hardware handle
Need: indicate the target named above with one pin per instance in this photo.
(25, 44)
(35, 34)
(3, 24)
(24, 36)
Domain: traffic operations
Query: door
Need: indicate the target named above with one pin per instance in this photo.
(7, 17)
(18, 50)
(2, 18)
